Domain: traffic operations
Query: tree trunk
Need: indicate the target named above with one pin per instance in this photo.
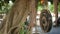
(17, 16)
(55, 2)
(33, 9)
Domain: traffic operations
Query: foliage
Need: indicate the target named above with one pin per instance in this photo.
(40, 7)
(59, 7)
(5, 6)
(51, 8)
(24, 29)
(21, 31)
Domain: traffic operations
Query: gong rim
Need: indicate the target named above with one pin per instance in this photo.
(46, 17)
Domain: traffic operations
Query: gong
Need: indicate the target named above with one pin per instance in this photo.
(45, 20)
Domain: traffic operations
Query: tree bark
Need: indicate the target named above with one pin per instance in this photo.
(55, 2)
(17, 16)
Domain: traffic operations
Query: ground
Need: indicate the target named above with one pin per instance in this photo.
(54, 30)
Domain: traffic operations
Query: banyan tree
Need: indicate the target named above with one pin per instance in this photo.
(17, 17)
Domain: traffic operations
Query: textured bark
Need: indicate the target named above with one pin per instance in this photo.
(17, 16)
(56, 8)
(55, 2)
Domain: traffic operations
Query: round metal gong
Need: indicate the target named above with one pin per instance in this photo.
(45, 20)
